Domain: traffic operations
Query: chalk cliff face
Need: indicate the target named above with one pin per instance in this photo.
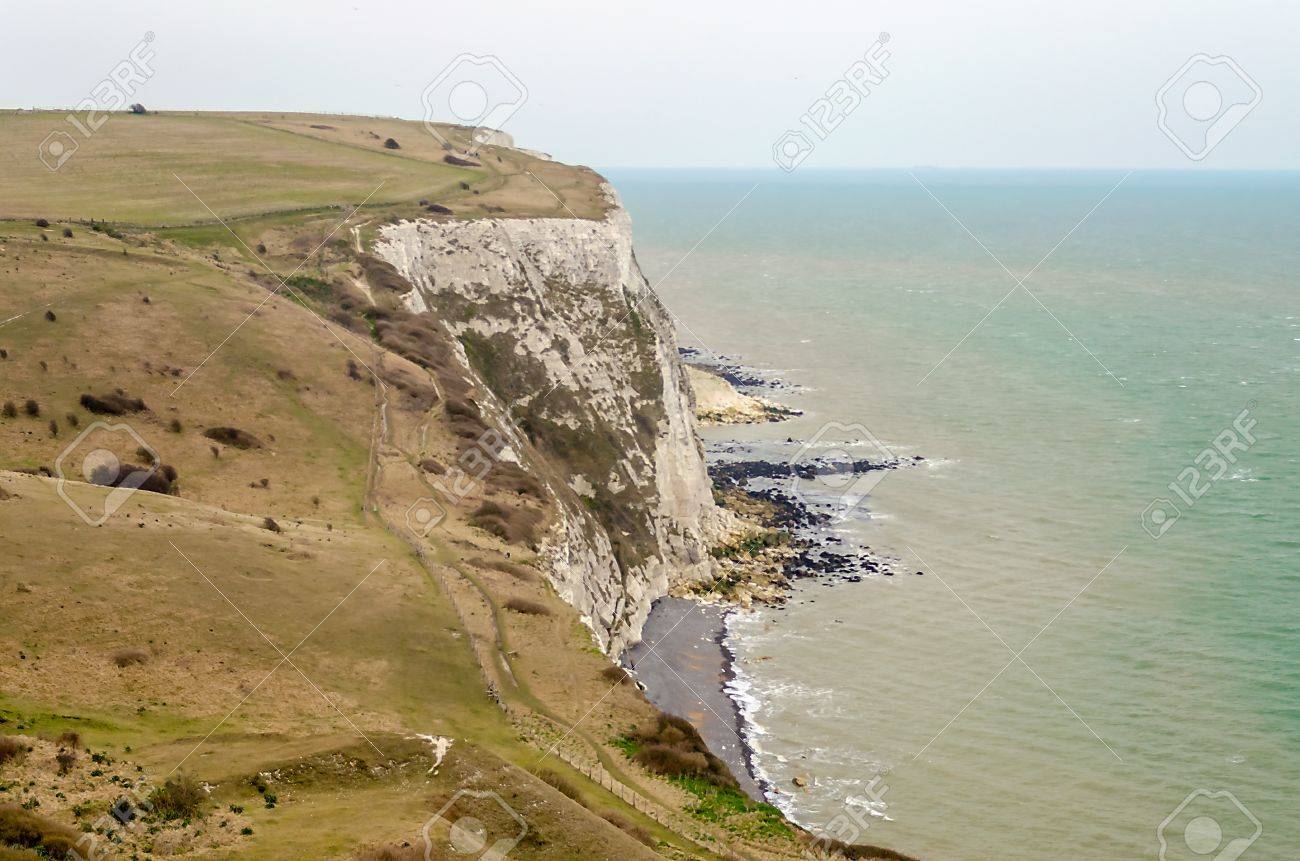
(557, 320)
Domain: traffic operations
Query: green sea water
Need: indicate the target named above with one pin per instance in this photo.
(1161, 654)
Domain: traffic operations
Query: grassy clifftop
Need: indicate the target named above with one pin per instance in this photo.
(132, 170)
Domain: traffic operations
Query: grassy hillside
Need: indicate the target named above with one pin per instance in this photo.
(261, 631)
(131, 171)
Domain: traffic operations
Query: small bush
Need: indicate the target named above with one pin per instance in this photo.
(175, 426)
(673, 747)
(69, 738)
(49, 315)
(67, 233)
(512, 525)
(233, 437)
(72, 420)
(181, 797)
(519, 572)
(66, 759)
(10, 411)
(558, 782)
(512, 478)
(31, 408)
(24, 829)
(54, 428)
(42, 222)
(129, 657)
(630, 828)
(12, 749)
(392, 144)
(616, 675)
(261, 248)
(526, 607)
(672, 761)
(271, 525)
(114, 404)
(391, 853)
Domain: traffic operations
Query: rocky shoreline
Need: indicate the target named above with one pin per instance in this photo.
(686, 664)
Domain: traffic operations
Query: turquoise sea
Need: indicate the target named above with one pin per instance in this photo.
(1157, 695)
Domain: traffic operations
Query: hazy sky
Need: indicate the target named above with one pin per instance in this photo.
(706, 83)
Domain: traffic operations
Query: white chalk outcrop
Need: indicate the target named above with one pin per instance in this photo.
(717, 402)
(561, 325)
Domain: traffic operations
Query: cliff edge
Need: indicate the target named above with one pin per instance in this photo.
(556, 318)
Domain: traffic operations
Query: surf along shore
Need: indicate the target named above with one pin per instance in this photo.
(685, 663)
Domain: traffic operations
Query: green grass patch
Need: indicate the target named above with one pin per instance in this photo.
(733, 810)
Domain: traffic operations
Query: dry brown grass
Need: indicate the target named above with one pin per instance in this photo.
(130, 657)
(13, 749)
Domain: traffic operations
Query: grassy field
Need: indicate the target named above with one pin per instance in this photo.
(135, 170)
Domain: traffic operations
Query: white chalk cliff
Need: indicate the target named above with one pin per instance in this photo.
(560, 324)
